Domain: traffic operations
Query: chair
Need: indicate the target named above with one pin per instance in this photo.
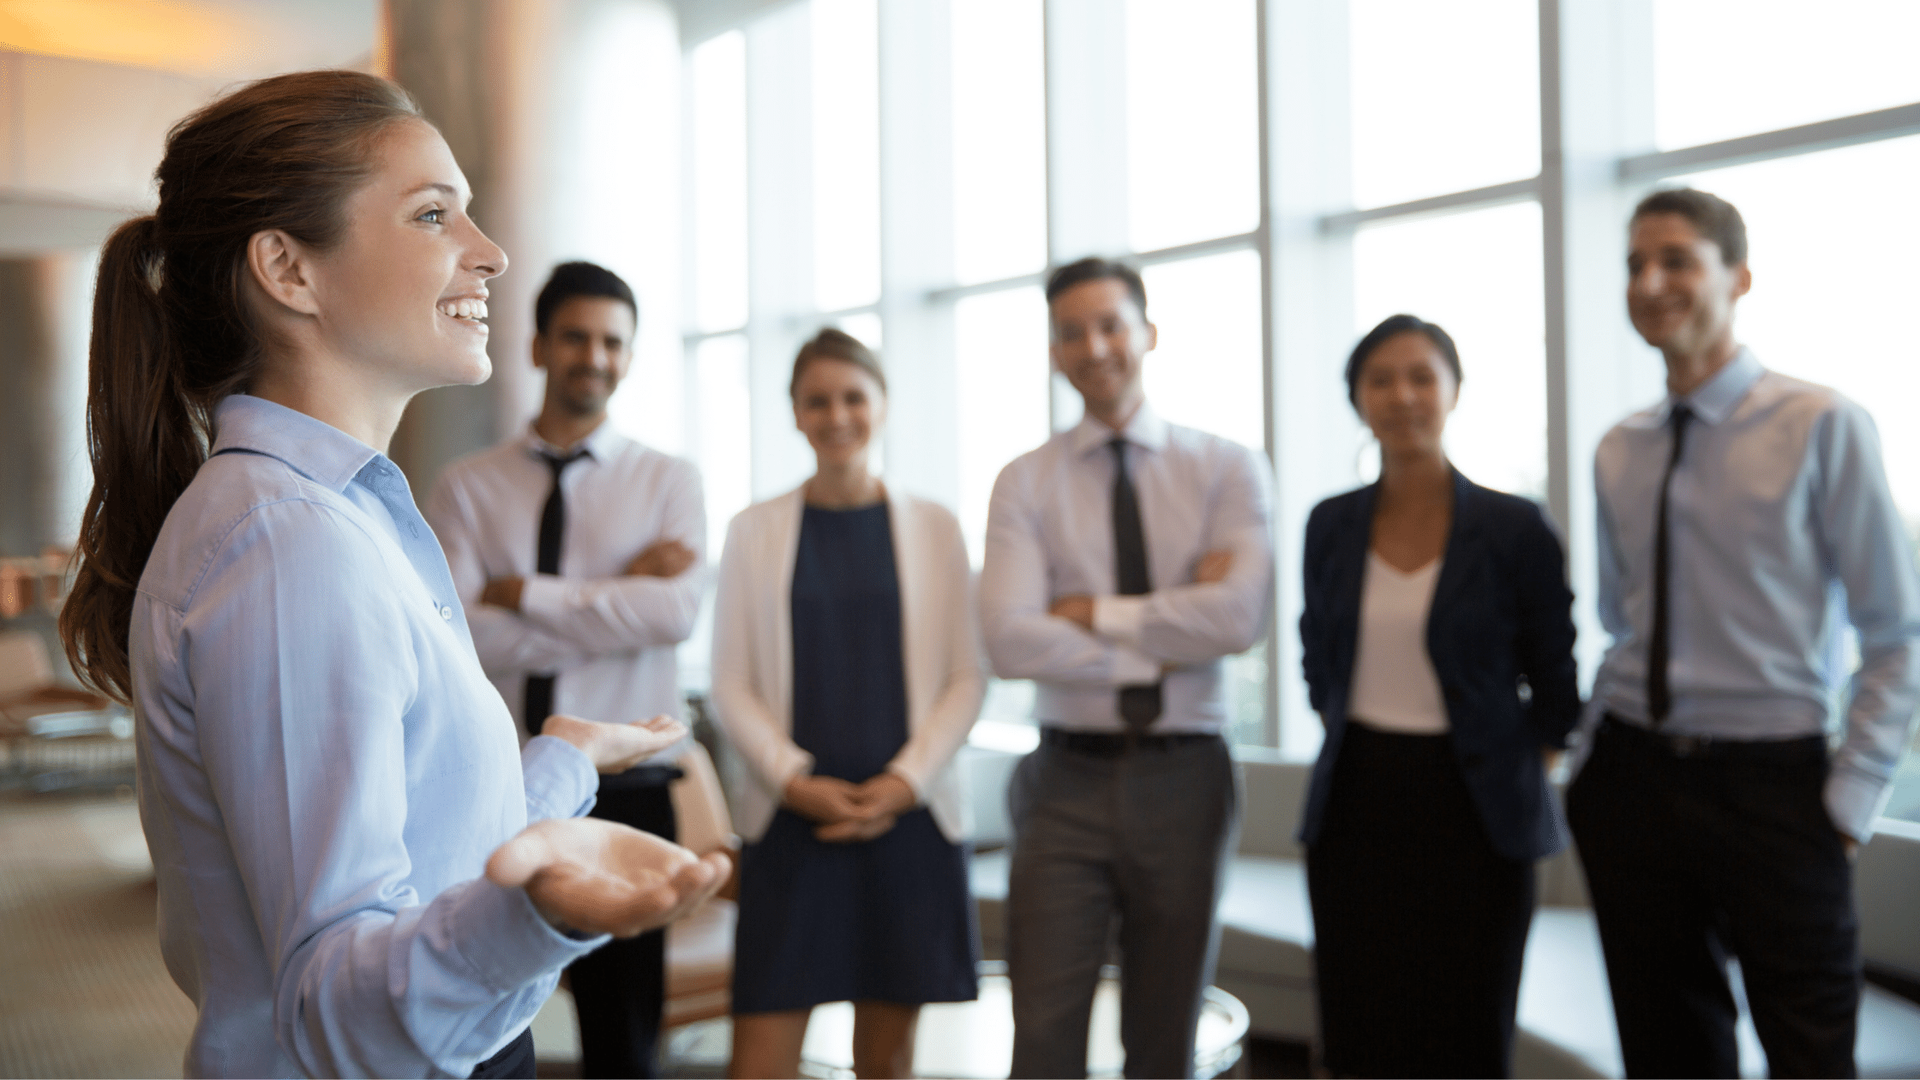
(700, 946)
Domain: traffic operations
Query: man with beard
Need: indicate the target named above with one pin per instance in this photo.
(578, 553)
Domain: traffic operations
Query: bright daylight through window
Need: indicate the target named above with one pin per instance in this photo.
(1406, 177)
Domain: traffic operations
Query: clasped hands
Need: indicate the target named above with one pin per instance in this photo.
(850, 813)
(1212, 568)
(666, 559)
(601, 877)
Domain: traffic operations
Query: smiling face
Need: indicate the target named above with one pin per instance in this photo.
(1405, 392)
(403, 297)
(587, 348)
(1680, 291)
(1100, 343)
(838, 407)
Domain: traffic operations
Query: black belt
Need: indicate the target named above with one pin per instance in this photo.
(1805, 750)
(515, 1060)
(641, 776)
(1101, 744)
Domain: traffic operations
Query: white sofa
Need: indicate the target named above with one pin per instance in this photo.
(1566, 1016)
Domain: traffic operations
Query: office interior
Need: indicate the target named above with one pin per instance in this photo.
(1285, 173)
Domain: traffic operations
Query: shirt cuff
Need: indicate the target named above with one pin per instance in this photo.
(912, 782)
(559, 777)
(1120, 618)
(508, 943)
(1854, 801)
(1131, 667)
(542, 596)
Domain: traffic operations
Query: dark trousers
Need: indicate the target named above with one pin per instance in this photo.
(620, 988)
(1697, 852)
(1140, 839)
(1419, 925)
(515, 1061)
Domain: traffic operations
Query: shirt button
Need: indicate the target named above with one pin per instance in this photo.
(446, 612)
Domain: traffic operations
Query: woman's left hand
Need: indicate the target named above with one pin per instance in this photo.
(601, 877)
(881, 801)
(615, 748)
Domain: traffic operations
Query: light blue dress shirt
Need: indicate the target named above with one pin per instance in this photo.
(1782, 531)
(324, 769)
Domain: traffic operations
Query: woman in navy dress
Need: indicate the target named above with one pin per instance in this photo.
(847, 674)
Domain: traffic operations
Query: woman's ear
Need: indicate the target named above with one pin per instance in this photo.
(282, 269)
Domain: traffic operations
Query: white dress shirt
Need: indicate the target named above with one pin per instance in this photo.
(1394, 685)
(753, 655)
(1782, 529)
(1050, 534)
(610, 637)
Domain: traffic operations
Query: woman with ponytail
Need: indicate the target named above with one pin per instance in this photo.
(334, 795)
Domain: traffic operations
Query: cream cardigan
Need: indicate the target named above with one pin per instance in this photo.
(753, 655)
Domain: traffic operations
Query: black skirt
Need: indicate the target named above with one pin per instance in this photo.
(1420, 927)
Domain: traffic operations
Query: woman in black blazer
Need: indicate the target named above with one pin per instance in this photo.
(1438, 648)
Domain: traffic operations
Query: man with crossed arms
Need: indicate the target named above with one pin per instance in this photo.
(1125, 558)
(577, 552)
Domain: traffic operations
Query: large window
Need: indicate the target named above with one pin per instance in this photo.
(1478, 275)
(1446, 97)
(1727, 68)
(1286, 173)
(1000, 341)
(846, 154)
(999, 140)
(1193, 138)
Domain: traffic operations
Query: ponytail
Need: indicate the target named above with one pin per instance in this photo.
(172, 336)
(146, 438)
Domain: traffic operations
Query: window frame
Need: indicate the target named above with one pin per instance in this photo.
(1597, 157)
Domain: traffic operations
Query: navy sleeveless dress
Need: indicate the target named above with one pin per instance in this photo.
(890, 919)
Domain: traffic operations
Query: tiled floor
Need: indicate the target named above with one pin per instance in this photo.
(82, 989)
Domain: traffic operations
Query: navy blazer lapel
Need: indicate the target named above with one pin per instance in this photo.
(1460, 534)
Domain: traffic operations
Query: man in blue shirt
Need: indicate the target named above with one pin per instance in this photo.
(1712, 820)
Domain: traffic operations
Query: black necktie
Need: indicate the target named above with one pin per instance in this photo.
(1659, 647)
(1139, 705)
(553, 523)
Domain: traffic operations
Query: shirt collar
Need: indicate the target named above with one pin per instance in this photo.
(1146, 430)
(1713, 400)
(598, 445)
(313, 447)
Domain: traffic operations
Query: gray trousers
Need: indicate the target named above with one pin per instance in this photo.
(1139, 839)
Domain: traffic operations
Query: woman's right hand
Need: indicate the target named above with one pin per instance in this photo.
(827, 800)
(602, 877)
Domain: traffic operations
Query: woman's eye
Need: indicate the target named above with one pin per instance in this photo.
(434, 217)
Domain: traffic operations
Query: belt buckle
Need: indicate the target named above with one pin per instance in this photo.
(1686, 746)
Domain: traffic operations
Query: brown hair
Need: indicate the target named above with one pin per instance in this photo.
(1094, 268)
(833, 344)
(171, 331)
(1711, 216)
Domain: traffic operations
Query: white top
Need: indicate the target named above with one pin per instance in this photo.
(1050, 534)
(753, 655)
(1394, 685)
(609, 637)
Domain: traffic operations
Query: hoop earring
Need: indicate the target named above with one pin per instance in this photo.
(1366, 457)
